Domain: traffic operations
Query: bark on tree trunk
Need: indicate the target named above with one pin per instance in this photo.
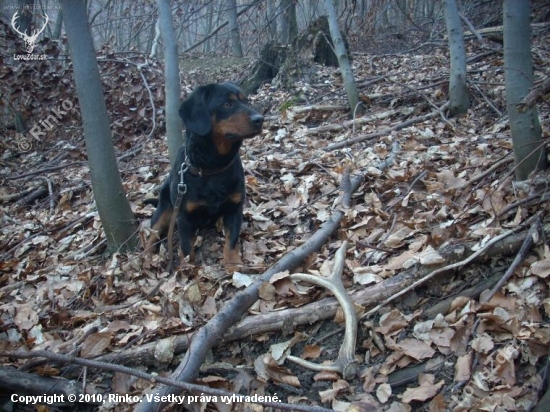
(343, 61)
(113, 207)
(172, 88)
(529, 154)
(236, 47)
(458, 90)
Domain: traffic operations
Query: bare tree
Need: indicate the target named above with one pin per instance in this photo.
(271, 19)
(25, 21)
(236, 47)
(113, 207)
(172, 87)
(458, 90)
(529, 152)
(288, 24)
(343, 60)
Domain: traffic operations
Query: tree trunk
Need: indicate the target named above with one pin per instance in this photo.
(172, 87)
(458, 90)
(271, 19)
(525, 127)
(114, 210)
(26, 12)
(236, 48)
(284, 24)
(343, 60)
(292, 21)
(56, 35)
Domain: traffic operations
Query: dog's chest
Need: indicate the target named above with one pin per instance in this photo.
(210, 196)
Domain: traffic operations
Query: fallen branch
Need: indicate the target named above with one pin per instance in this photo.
(316, 108)
(452, 266)
(41, 191)
(189, 387)
(520, 257)
(534, 96)
(210, 334)
(387, 130)
(486, 172)
(15, 381)
(320, 310)
(46, 170)
(350, 123)
(18, 195)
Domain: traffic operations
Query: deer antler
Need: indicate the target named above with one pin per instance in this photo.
(29, 40)
(13, 19)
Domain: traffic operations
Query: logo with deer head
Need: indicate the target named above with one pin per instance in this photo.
(30, 41)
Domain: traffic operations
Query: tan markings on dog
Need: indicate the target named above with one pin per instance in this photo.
(236, 197)
(223, 146)
(182, 255)
(239, 124)
(159, 230)
(190, 207)
(231, 259)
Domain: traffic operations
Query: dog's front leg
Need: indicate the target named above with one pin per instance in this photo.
(186, 232)
(232, 221)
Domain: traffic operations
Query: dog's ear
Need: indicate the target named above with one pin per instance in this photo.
(194, 112)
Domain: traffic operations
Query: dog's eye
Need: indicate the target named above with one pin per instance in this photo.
(228, 104)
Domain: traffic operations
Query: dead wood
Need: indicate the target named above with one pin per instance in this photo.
(31, 197)
(210, 334)
(447, 268)
(472, 293)
(17, 196)
(46, 170)
(387, 130)
(290, 319)
(498, 29)
(410, 374)
(22, 382)
(189, 387)
(534, 96)
(520, 257)
(350, 123)
(316, 108)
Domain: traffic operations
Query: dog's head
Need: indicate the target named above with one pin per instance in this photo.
(220, 110)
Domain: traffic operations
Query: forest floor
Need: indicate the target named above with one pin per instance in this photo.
(437, 200)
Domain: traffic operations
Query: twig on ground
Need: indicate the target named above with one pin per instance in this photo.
(213, 331)
(387, 130)
(520, 257)
(456, 265)
(190, 387)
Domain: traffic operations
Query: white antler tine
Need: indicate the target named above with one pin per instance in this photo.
(13, 20)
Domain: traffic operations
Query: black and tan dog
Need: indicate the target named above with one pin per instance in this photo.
(208, 171)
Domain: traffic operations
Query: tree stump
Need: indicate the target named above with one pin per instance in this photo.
(285, 65)
(266, 68)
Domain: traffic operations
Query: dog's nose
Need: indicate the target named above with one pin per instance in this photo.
(257, 120)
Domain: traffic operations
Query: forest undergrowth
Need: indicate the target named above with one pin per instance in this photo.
(436, 195)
